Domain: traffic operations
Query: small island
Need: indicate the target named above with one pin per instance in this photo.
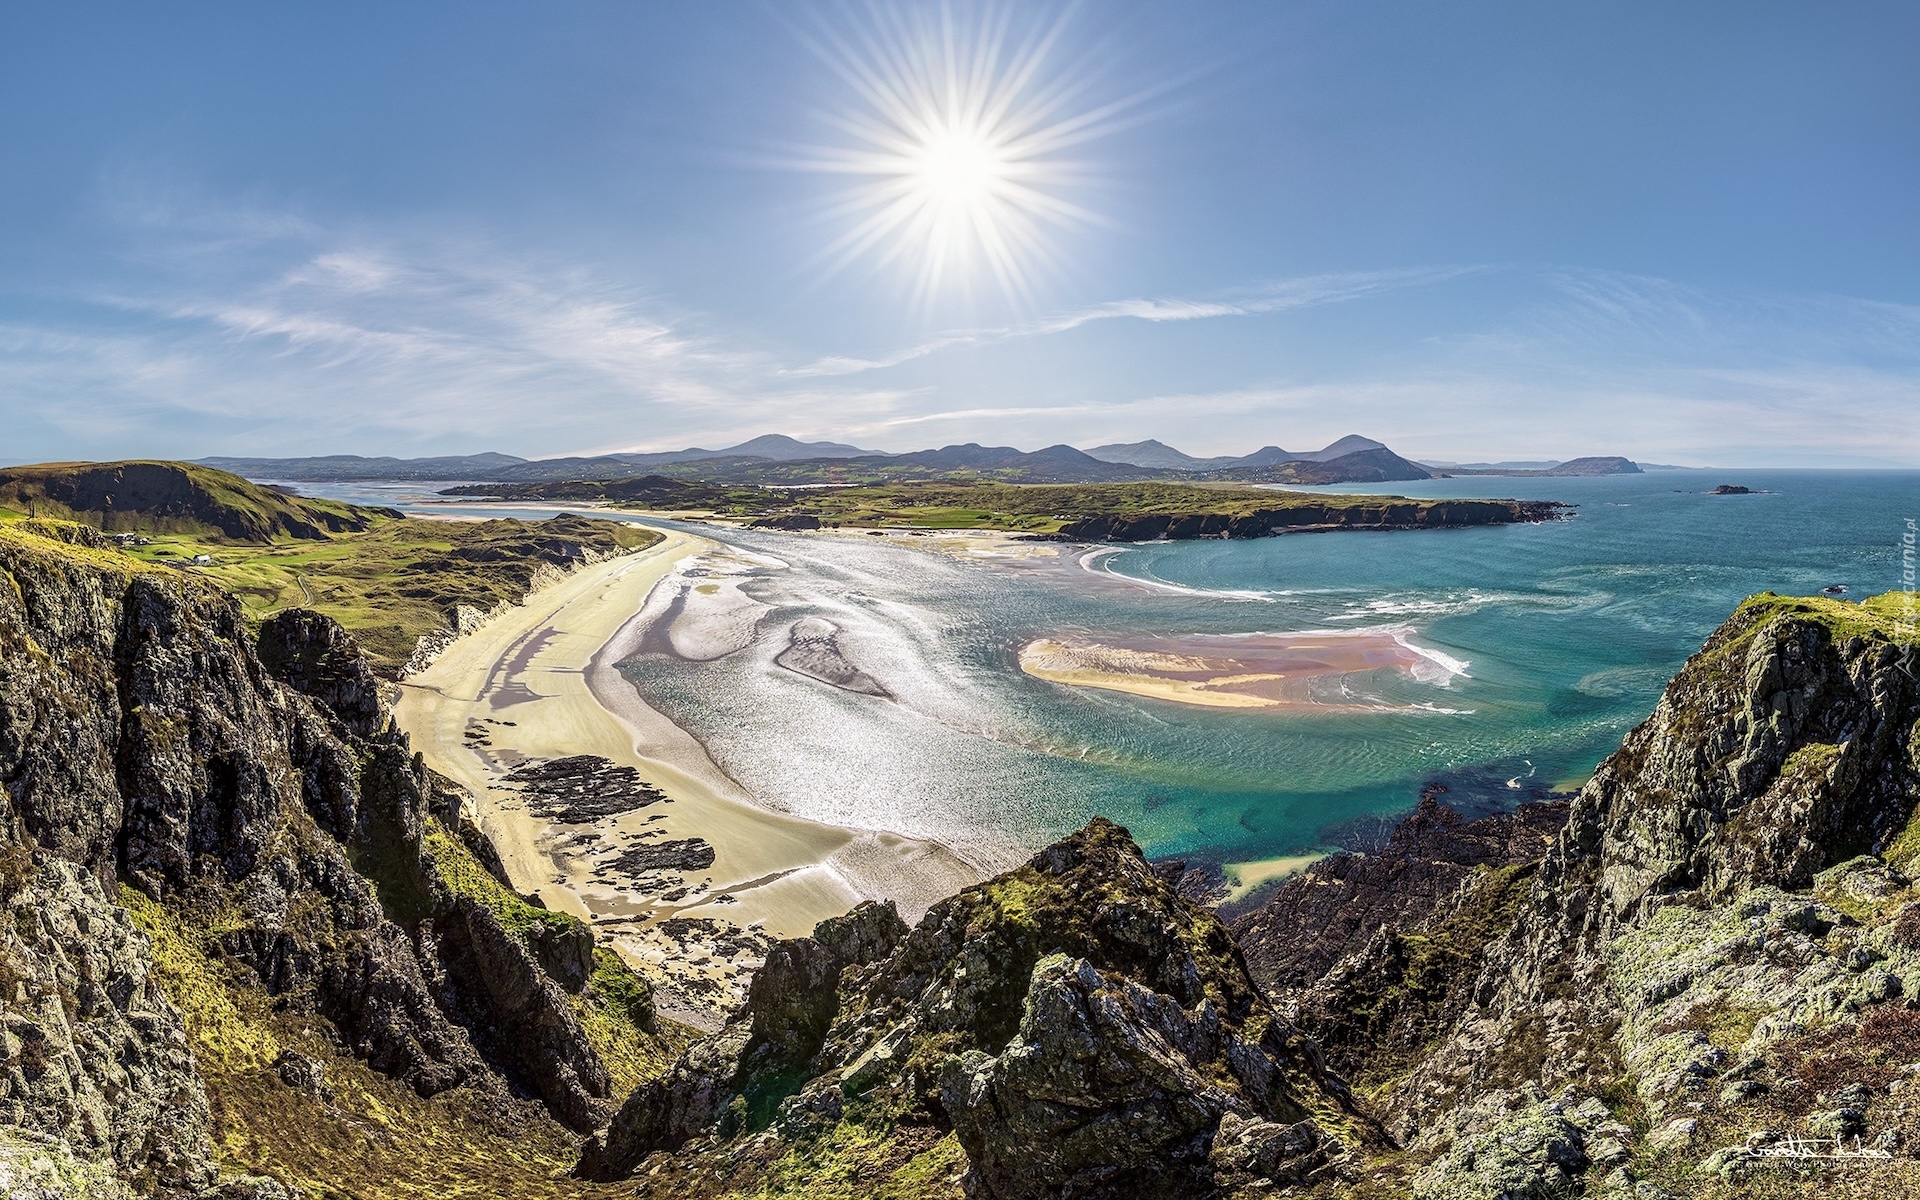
(1731, 489)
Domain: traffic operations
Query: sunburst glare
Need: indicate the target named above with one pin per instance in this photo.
(956, 139)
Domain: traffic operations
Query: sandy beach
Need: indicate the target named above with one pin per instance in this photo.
(689, 877)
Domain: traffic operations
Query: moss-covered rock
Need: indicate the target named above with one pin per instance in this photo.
(285, 852)
(96, 1056)
(1074, 1026)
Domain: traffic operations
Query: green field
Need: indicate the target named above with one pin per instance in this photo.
(388, 578)
(390, 584)
(404, 577)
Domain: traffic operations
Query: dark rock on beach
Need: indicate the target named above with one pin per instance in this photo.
(680, 854)
(582, 789)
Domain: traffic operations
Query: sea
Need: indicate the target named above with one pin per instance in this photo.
(1546, 644)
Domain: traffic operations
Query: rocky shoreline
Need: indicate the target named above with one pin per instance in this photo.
(1312, 518)
(257, 951)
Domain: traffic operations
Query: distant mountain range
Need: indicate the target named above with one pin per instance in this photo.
(345, 468)
(1164, 457)
(776, 460)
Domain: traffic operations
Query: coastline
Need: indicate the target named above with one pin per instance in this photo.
(538, 684)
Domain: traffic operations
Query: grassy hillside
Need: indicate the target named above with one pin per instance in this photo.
(404, 578)
(171, 497)
(361, 1135)
(389, 579)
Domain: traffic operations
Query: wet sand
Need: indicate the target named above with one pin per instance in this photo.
(1296, 671)
(1243, 877)
(539, 683)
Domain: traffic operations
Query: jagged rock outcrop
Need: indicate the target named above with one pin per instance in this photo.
(95, 1054)
(315, 657)
(1074, 1027)
(1334, 907)
(261, 797)
(516, 1011)
(1111, 1088)
(1786, 745)
(757, 1060)
(1719, 945)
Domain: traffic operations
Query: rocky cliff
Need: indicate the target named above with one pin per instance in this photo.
(1713, 955)
(227, 871)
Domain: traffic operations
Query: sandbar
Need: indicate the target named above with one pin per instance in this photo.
(1299, 671)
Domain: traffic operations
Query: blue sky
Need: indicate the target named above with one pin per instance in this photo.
(1685, 233)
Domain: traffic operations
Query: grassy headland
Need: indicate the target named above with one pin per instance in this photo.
(171, 497)
(1091, 511)
(387, 578)
(404, 578)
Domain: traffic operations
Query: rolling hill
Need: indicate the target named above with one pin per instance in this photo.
(775, 460)
(169, 497)
(1377, 465)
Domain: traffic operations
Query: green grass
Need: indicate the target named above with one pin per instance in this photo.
(389, 579)
(30, 535)
(173, 497)
(1886, 616)
(402, 578)
(374, 1139)
(462, 875)
(1010, 507)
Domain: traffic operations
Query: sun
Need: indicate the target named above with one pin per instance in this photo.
(956, 140)
(958, 169)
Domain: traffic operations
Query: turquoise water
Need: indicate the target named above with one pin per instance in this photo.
(1564, 634)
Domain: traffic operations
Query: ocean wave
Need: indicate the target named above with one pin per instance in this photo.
(1099, 562)
(1439, 667)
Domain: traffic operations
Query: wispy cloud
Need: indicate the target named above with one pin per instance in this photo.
(253, 331)
(256, 330)
(1600, 362)
(1304, 292)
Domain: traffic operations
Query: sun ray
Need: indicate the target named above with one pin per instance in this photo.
(955, 146)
